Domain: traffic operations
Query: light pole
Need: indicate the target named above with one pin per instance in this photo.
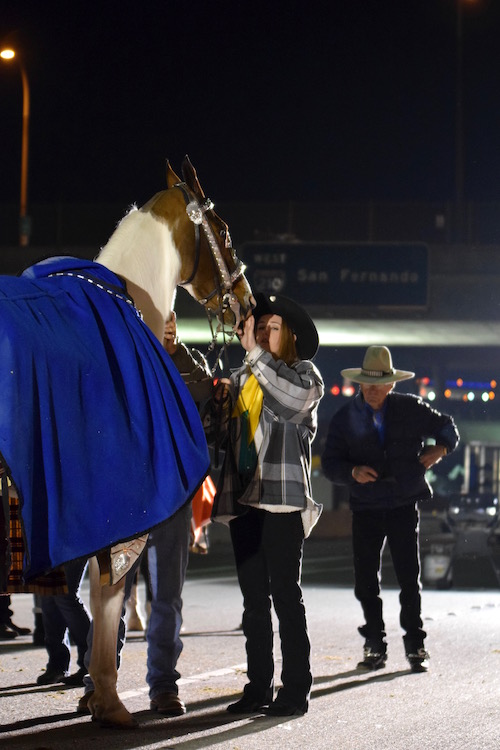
(7, 53)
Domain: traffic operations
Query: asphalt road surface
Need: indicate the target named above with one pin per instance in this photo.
(455, 705)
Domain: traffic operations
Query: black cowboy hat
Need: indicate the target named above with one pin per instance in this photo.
(307, 339)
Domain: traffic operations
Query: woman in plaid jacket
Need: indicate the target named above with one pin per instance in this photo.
(265, 494)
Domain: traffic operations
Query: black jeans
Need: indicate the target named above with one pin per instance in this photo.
(370, 530)
(268, 553)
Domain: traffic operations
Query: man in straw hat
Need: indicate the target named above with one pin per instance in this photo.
(376, 445)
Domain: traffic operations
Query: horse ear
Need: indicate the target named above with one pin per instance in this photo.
(172, 178)
(191, 178)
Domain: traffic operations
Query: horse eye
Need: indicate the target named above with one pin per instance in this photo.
(223, 234)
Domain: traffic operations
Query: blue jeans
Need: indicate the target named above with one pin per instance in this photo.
(62, 613)
(168, 554)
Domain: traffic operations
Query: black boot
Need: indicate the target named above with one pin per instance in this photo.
(419, 660)
(374, 650)
(416, 654)
(374, 657)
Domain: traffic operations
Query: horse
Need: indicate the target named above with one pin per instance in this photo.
(115, 309)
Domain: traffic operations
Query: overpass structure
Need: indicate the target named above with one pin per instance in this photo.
(359, 293)
(449, 296)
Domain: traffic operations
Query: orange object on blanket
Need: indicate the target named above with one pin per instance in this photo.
(202, 508)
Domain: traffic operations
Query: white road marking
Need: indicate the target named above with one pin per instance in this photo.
(189, 680)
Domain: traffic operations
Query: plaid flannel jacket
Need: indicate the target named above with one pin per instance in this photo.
(287, 427)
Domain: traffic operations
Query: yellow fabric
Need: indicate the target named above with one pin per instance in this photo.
(250, 401)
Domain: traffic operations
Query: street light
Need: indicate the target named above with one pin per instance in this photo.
(7, 53)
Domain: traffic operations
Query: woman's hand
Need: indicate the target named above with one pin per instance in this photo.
(221, 390)
(247, 338)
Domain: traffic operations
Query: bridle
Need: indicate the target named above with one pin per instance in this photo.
(224, 278)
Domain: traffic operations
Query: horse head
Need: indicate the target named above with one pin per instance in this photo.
(210, 269)
(179, 219)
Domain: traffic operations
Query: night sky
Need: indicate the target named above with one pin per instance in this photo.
(272, 99)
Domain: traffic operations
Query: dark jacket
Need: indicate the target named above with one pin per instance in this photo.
(353, 440)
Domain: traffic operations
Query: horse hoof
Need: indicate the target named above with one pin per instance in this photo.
(112, 718)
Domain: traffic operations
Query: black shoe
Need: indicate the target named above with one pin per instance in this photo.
(51, 677)
(419, 660)
(6, 634)
(282, 708)
(17, 629)
(247, 705)
(372, 659)
(76, 679)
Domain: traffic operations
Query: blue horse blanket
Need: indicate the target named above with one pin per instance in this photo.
(97, 428)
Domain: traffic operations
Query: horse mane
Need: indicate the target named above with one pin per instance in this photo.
(141, 250)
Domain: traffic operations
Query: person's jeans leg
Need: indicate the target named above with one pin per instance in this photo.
(72, 608)
(168, 554)
(368, 537)
(253, 577)
(56, 638)
(403, 543)
(283, 541)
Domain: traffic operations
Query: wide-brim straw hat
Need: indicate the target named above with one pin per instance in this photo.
(301, 323)
(377, 368)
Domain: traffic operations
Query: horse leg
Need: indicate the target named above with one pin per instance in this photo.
(106, 604)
